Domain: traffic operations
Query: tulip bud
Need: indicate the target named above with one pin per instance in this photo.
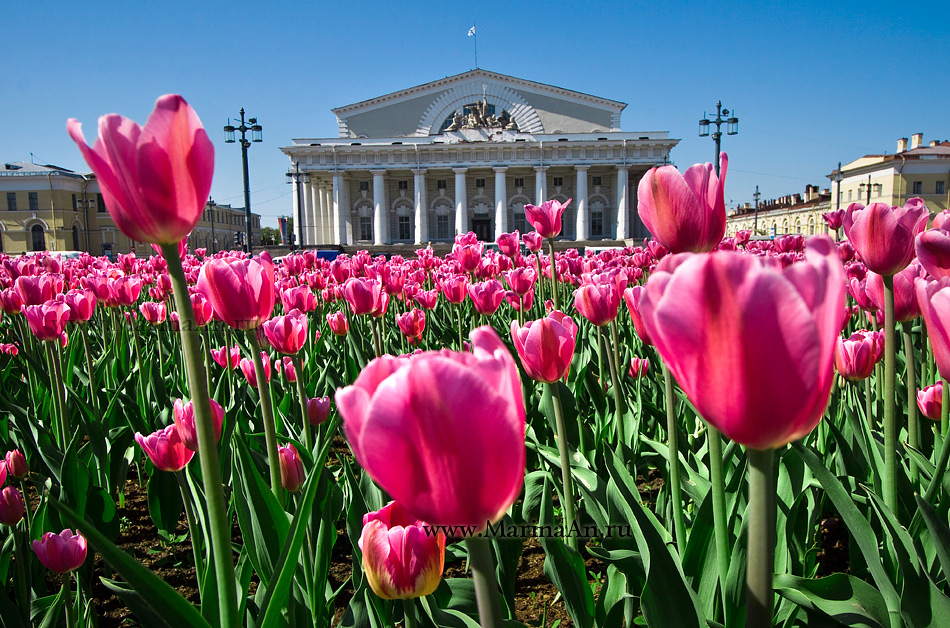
(318, 409)
(291, 468)
(401, 558)
(338, 323)
(639, 367)
(546, 346)
(16, 464)
(63, 552)
(11, 506)
(184, 414)
(166, 449)
(930, 401)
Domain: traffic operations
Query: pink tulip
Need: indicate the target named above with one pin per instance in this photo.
(82, 305)
(292, 474)
(442, 432)
(155, 179)
(10, 301)
(166, 449)
(12, 507)
(632, 297)
(855, 357)
(241, 291)
(227, 358)
(427, 299)
(338, 323)
(930, 401)
(639, 367)
(934, 300)
(940, 221)
(487, 296)
(454, 288)
(36, 290)
(285, 368)
(202, 309)
(63, 552)
(153, 312)
(298, 298)
(9, 349)
(318, 410)
(752, 346)
(125, 290)
(684, 212)
(468, 255)
(834, 219)
(883, 235)
(933, 251)
(509, 243)
(546, 346)
(363, 295)
(401, 558)
(598, 302)
(184, 414)
(287, 334)
(247, 368)
(47, 321)
(412, 323)
(546, 218)
(520, 303)
(533, 241)
(521, 280)
(858, 289)
(16, 464)
(906, 307)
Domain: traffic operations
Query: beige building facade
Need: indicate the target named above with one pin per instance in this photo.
(794, 214)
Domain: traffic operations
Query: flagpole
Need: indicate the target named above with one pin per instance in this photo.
(475, 36)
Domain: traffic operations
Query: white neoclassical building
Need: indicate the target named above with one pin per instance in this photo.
(466, 153)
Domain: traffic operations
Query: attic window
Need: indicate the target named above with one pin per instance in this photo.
(605, 139)
(315, 144)
(355, 144)
(395, 143)
(562, 139)
(11, 167)
(643, 137)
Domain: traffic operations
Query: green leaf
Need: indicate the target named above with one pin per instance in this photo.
(843, 598)
(161, 597)
(164, 502)
(939, 533)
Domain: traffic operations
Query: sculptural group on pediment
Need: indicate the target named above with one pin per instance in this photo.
(479, 118)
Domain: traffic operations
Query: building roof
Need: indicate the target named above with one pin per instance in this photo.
(26, 168)
(939, 151)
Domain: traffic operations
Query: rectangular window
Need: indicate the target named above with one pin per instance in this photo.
(519, 182)
(34, 201)
(404, 185)
(918, 187)
(364, 186)
(442, 226)
(558, 181)
(520, 223)
(849, 195)
(366, 228)
(11, 201)
(440, 184)
(596, 180)
(75, 204)
(405, 228)
(479, 183)
(100, 203)
(939, 188)
(597, 223)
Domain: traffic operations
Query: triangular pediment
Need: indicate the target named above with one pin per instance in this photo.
(534, 107)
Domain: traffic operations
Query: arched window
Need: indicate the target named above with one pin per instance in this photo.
(39, 238)
(798, 225)
(75, 238)
(811, 225)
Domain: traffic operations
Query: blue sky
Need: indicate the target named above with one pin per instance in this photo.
(813, 83)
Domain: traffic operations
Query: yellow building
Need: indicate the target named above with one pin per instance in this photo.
(49, 208)
(790, 214)
(917, 170)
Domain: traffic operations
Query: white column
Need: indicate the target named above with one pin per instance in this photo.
(581, 202)
(315, 211)
(332, 238)
(298, 215)
(419, 189)
(541, 183)
(501, 201)
(339, 218)
(308, 209)
(461, 201)
(622, 194)
(379, 206)
(326, 215)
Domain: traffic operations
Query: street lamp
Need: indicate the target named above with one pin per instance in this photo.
(255, 130)
(297, 177)
(755, 221)
(732, 128)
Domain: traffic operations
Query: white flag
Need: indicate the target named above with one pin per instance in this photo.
(471, 31)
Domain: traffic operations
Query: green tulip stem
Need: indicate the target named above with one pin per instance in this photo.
(190, 518)
(409, 612)
(56, 375)
(925, 373)
(220, 526)
(912, 426)
(761, 540)
(679, 531)
(90, 372)
(458, 314)
(539, 282)
(486, 587)
(137, 345)
(600, 354)
(267, 412)
(562, 446)
(868, 401)
(720, 525)
(554, 292)
(889, 397)
(21, 549)
(302, 397)
(161, 354)
(941, 466)
(613, 359)
(67, 593)
(206, 341)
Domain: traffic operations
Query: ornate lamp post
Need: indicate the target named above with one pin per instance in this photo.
(732, 128)
(255, 130)
(298, 177)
